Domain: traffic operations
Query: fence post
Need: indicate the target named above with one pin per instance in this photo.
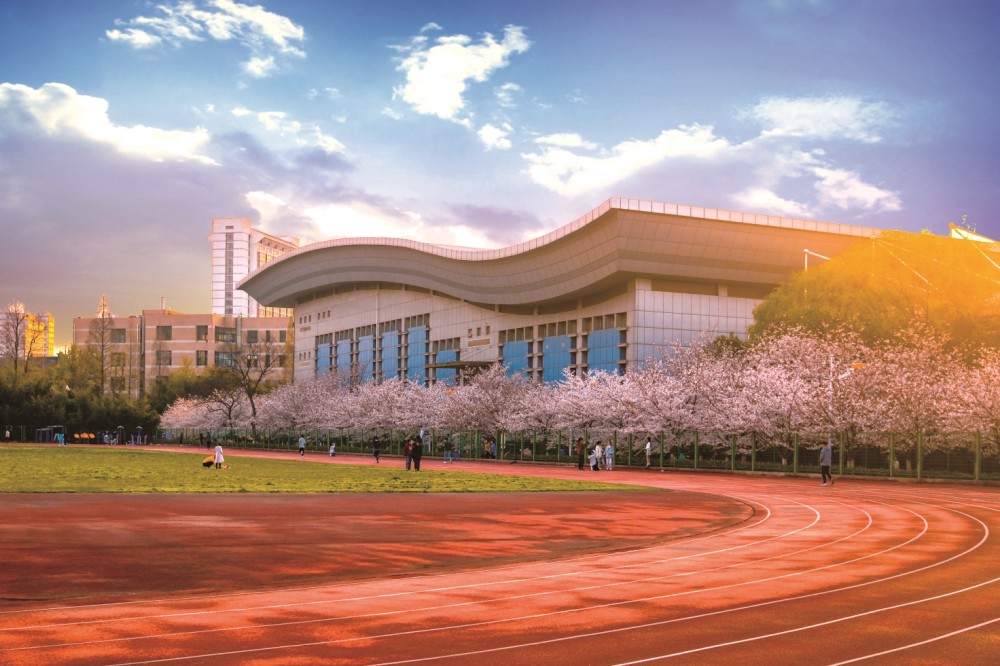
(977, 464)
(892, 455)
(661, 448)
(840, 437)
(696, 449)
(753, 451)
(732, 452)
(920, 455)
(795, 453)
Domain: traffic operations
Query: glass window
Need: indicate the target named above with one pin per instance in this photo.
(252, 337)
(201, 334)
(201, 357)
(225, 334)
(117, 335)
(163, 357)
(164, 333)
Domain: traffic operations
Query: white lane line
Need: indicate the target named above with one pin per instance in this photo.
(643, 581)
(950, 634)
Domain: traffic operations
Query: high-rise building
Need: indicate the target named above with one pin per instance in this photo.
(237, 250)
(26, 334)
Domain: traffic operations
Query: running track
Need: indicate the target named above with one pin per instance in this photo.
(861, 572)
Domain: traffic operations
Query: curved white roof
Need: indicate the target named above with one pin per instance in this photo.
(620, 239)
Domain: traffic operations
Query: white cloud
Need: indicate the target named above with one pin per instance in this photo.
(823, 118)
(570, 173)
(844, 189)
(495, 137)
(566, 140)
(260, 68)
(764, 200)
(57, 110)
(506, 95)
(392, 113)
(137, 39)
(438, 76)
(262, 32)
(359, 219)
(302, 135)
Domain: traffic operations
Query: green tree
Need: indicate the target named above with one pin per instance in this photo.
(884, 285)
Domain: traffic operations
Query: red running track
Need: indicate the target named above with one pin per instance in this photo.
(719, 570)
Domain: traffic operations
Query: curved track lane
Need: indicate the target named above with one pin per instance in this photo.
(860, 572)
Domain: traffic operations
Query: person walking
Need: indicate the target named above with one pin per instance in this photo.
(408, 452)
(376, 448)
(599, 452)
(649, 452)
(825, 461)
(581, 451)
(219, 459)
(333, 449)
(448, 447)
(302, 446)
(609, 456)
(418, 452)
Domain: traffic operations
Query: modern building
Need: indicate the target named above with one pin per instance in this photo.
(140, 349)
(26, 334)
(237, 250)
(603, 292)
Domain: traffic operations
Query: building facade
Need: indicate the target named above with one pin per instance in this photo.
(138, 350)
(25, 334)
(237, 250)
(605, 292)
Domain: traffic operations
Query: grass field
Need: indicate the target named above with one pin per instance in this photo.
(49, 469)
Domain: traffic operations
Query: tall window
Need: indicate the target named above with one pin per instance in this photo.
(163, 357)
(201, 357)
(117, 335)
(164, 332)
(201, 333)
(252, 337)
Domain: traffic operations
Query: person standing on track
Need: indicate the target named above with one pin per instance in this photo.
(302, 445)
(581, 451)
(649, 451)
(609, 456)
(825, 461)
(418, 452)
(376, 447)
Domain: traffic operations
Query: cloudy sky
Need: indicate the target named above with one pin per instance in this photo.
(126, 125)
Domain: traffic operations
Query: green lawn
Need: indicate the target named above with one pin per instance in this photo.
(50, 469)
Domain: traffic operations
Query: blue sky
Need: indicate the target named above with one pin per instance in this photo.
(125, 126)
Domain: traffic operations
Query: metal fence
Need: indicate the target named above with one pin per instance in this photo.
(971, 456)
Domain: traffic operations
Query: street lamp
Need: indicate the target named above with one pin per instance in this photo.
(806, 252)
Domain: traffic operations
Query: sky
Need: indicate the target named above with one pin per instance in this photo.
(127, 125)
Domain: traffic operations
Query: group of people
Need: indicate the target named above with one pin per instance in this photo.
(413, 451)
(602, 456)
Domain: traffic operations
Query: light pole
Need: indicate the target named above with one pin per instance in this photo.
(806, 252)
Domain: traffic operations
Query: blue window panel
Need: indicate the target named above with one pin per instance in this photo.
(390, 355)
(366, 357)
(515, 356)
(416, 353)
(324, 358)
(602, 350)
(344, 357)
(446, 375)
(555, 357)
